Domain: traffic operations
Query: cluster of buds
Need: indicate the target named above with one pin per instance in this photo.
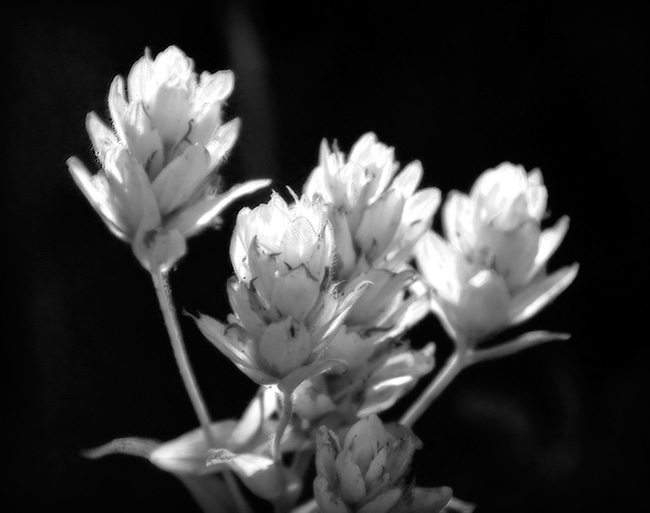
(157, 183)
(369, 472)
(378, 216)
(286, 307)
(489, 273)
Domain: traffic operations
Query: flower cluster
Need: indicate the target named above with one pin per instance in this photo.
(286, 307)
(156, 186)
(489, 273)
(378, 217)
(326, 287)
(368, 472)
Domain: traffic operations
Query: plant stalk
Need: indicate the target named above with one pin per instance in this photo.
(163, 292)
(452, 367)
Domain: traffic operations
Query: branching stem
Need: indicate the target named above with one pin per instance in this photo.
(452, 367)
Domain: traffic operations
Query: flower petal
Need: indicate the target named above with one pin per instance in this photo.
(101, 136)
(537, 295)
(180, 178)
(96, 190)
(437, 260)
(204, 213)
(222, 141)
(408, 179)
(295, 293)
(328, 501)
(230, 346)
(383, 503)
(429, 500)
(457, 221)
(549, 240)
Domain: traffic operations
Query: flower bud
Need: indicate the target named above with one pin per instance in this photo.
(158, 164)
(369, 471)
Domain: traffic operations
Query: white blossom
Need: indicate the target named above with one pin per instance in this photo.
(490, 271)
(157, 184)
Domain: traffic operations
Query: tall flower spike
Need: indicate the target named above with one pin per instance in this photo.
(157, 182)
(489, 273)
(368, 473)
(286, 307)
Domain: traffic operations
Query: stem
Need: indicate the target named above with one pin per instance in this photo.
(452, 367)
(285, 417)
(240, 500)
(163, 291)
(283, 503)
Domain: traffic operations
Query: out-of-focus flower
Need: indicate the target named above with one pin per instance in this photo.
(286, 307)
(490, 272)
(157, 185)
(369, 472)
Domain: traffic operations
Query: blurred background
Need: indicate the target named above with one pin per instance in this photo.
(461, 87)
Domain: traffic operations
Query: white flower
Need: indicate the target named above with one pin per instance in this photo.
(490, 272)
(157, 182)
(377, 217)
(286, 308)
(368, 472)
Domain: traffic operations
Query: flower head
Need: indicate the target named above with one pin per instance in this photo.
(286, 307)
(369, 471)
(377, 217)
(156, 186)
(490, 272)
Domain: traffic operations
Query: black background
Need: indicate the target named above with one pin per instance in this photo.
(461, 87)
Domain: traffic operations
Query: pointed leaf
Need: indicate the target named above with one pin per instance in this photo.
(258, 473)
(204, 213)
(210, 493)
(142, 447)
(537, 295)
(520, 343)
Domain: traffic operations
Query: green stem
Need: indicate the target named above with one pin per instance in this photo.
(163, 291)
(452, 367)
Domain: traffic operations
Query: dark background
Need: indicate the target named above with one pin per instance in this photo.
(462, 87)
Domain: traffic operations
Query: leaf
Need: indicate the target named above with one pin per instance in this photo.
(142, 447)
(210, 493)
(520, 343)
(187, 453)
(258, 473)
